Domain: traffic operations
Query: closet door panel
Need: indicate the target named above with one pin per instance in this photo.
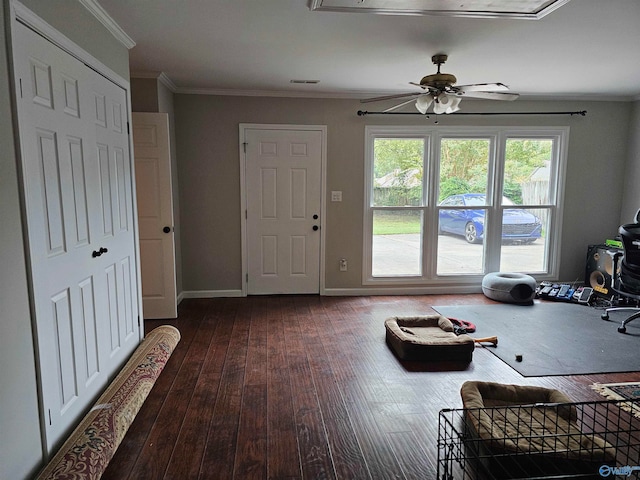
(76, 171)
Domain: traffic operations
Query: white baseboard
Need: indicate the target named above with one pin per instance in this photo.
(348, 292)
(209, 294)
(433, 290)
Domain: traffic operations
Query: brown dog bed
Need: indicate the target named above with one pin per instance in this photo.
(429, 337)
(530, 425)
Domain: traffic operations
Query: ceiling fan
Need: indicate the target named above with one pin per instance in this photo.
(440, 90)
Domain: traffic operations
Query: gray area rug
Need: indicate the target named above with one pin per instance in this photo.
(554, 338)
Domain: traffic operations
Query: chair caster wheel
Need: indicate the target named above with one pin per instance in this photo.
(604, 316)
(622, 329)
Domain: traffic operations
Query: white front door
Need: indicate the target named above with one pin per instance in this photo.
(155, 214)
(283, 181)
(78, 197)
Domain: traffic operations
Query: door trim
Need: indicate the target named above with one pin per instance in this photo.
(243, 192)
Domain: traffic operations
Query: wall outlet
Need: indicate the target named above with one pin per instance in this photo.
(343, 264)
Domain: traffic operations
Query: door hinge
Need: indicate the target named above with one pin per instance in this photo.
(128, 131)
(244, 146)
(246, 215)
(139, 322)
(20, 82)
(246, 278)
(50, 422)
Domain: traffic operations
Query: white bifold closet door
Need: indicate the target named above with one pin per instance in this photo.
(78, 197)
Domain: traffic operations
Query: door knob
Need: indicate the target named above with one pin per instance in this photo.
(315, 217)
(97, 253)
(316, 227)
(166, 229)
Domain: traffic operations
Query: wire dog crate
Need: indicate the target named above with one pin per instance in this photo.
(541, 441)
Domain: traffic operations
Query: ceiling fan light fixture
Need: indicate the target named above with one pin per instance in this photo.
(446, 104)
(453, 104)
(439, 108)
(440, 91)
(423, 102)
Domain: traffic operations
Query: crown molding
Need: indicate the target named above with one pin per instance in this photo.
(101, 14)
(167, 82)
(27, 17)
(160, 76)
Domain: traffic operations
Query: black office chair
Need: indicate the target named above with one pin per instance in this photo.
(626, 273)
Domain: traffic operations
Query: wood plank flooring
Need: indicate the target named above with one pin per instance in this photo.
(293, 387)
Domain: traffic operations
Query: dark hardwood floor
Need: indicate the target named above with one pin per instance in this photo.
(292, 387)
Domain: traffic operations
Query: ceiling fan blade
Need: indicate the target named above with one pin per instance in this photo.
(399, 105)
(427, 88)
(390, 97)
(482, 87)
(492, 95)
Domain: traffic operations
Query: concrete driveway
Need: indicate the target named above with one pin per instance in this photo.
(400, 255)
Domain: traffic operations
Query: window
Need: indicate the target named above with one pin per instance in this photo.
(398, 191)
(445, 205)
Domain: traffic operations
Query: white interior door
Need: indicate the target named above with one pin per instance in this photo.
(283, 197)
(78, 197)
(155, 214)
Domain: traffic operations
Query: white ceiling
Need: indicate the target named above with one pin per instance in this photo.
(587, 49)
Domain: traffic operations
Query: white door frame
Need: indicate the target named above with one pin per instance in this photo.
(243, 192)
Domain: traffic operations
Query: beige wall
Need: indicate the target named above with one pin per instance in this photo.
(631, 199)
(208, 162)
(144, 95)
(20, 447)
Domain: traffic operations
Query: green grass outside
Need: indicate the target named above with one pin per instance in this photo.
(388, 223)
(394, 223)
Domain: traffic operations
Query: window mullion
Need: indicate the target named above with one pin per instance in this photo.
(493, 240)
(430, 233)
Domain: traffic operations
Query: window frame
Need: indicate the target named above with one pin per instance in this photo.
(498, 137)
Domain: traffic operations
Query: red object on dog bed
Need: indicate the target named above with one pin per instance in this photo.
(462, 326)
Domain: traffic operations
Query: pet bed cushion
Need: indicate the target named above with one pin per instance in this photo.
(429, 337)
(509, 287)
(512, 419)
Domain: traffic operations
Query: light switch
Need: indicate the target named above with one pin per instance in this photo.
(336, 196)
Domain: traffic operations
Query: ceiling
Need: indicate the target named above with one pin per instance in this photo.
(585, 49)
